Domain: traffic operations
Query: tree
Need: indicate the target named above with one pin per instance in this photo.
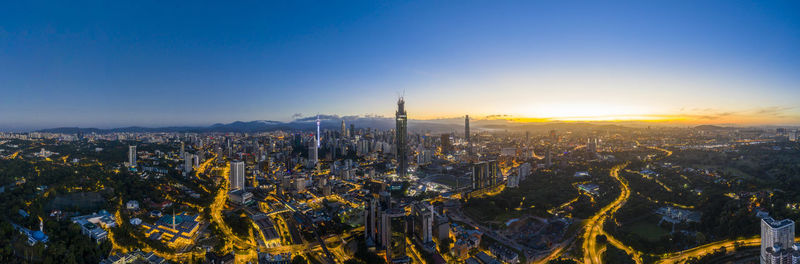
(299, 260)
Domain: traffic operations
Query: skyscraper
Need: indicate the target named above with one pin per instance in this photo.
(344, 130)
(467, 137)
(317, 135)
(236, 177)
(371, 214)
(393, 230)
(132, 156)
(773, 233)
(548, 157)
(447, 146)
(313, 150)
(401, 129)
(312, 154)
(466, 129)
(188, 163)
(423, 222)
(485, 174)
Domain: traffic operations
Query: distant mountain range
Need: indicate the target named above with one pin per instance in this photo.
(333, 122)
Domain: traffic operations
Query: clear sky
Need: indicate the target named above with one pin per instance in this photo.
(119, 63)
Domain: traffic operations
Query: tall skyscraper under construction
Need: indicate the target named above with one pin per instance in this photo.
(401, 129)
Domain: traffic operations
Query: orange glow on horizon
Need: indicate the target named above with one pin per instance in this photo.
(741, 118)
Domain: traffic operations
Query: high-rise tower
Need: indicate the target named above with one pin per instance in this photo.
(401, 129)
(773, 233)
(344, 130)
(313, 150)
(132, 156)
(466, 129)
(466, 136)
(317, 142)
(236, 176)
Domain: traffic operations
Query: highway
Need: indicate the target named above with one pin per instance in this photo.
(679, 257)
(594, 225)
(216, 207)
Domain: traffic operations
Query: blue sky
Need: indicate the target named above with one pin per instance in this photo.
(114, 63)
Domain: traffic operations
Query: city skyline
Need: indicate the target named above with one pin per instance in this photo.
(400, 132)
(115, 65)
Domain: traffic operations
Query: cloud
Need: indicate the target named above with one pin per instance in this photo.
(314, 118)
(498, 116)
(774, 110)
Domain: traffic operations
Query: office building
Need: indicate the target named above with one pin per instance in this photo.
(236, 177)
(447, 146)
(188, 163)
(423, 222)
(524, 171)
(467, 137)
(548, 158)
(778, 254)
(174, 230)
(773, 232)
(401, 126)
(344, 130)
(132, 156)
(393, 235)
(485, 174)
(466, 129)
(312, 155)
(136, 256)
(371, 213)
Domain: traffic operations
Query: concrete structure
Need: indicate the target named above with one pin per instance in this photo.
(778, 254)
(240, 197)
(466, 131)
(401, 130)
(135, 257)
(780, 233)
(446, 144)
(423, 222)
(174, 230)
(34, 236)
(344, 133)
(188, 164)
(371, 213)
(485, 174)
(524, 171)
(393, 235)
(132, 205)
(132, 156)
(236, 177)
(91, 224)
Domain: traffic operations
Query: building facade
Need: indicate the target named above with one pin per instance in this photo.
(775, 233)
(237, 175)
(401, 127)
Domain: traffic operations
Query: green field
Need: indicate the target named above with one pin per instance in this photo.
(648, 231)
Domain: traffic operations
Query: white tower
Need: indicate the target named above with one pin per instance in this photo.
(237, 175)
